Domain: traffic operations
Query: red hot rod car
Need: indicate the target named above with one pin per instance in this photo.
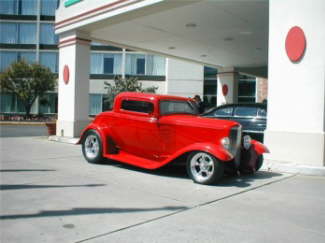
(150, 131)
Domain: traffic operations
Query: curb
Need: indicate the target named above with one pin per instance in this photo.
(293, 168)
(63, 139)
(18, 123)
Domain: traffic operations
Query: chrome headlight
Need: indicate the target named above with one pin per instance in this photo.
(225, 143)
(247, 142)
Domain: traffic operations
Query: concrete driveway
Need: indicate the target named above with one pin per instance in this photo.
(50, 194)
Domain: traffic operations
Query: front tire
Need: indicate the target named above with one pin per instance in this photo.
(259, 162)
(92, 148)
(204, 168)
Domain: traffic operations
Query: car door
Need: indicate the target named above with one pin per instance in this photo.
(247, 117)
(137, 129)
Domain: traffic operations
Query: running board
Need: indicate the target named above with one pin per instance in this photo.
(135, 160)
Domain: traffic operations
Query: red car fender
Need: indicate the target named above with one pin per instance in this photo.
(216, 150)
(98, 129)
(259, 147)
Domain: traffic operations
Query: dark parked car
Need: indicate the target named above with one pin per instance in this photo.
(252, 117)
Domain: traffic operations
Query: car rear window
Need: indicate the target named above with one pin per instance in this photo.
(245, 111)
(227, 111)
(137, 106)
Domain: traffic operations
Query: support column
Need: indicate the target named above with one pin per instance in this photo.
(227, 89)
(296, 100)
(74, 51)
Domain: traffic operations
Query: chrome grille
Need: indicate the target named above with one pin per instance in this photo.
(235, 139)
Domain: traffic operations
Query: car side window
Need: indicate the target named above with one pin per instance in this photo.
(245, 111)
(261, 112)
(137, 106)
(227, 111)
(177, 107)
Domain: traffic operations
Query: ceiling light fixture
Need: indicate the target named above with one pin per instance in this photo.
(228, 39)
(172, 48)
(245, 32)
(191, 25)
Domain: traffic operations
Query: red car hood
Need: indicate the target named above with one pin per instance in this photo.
(196, 121)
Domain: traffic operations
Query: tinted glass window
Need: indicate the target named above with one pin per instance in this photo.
(108, 65)
(137, 106)
(140, 66)
(245, 111)
(177, 107)
(227, 111)
(261, 112)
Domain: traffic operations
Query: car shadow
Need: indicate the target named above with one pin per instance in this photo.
(26, 170)
(89, 211)
(179, 171)
(243, 181)
(5, 187)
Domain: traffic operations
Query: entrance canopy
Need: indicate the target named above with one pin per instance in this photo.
(213, 32)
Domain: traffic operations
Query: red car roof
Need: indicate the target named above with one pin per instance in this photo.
(150, 96)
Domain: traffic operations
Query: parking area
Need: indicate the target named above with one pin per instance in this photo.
(50, 194)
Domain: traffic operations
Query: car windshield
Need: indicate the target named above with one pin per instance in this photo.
(178, 107)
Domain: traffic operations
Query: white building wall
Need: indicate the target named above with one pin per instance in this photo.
(296, 100)
(97, 86)
(184, 78)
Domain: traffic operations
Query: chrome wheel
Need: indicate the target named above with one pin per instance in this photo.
(202, 167)
(91, 146)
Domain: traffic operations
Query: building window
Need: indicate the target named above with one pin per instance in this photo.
(210, 87)
(50, 60)
(7, 58)
(47, 35)
(11, 30)
(48, 103)
(105, 63)
(18, 7)
(28, 7)
(48, 7)
(108, 65)
(246, 89)
(155, 65)
(18, 33)
(141, 66)
(8, 7)
(30, 57)
(27, 33)
(10, 104)
(135, 64)
(95, 104)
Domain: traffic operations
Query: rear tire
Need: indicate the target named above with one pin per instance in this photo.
(92, 148)
(204, 168)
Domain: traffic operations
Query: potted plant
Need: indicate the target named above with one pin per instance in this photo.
(51, 127)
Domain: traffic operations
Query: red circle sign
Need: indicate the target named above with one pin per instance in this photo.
(295, 44)
(66, 74)
(225, 89)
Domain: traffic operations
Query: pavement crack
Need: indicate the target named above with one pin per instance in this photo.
(184, 210)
